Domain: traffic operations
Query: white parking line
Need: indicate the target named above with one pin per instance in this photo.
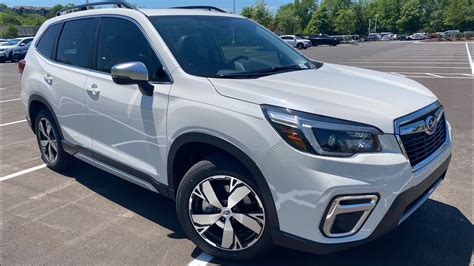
(12, 123)
(1, 89)
(11, 100)
(32, 169)
(439, 73)
(470, 58)
(201, 260)
(428, 60)
(434, 75)
(423, 67)
(409, 63)
(398, 74)
(469, 75)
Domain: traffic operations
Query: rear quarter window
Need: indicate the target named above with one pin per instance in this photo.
(46, 43)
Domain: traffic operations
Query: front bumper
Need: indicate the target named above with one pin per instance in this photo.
(304, 185)
(404, 205)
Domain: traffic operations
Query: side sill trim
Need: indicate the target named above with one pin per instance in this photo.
(118, 169)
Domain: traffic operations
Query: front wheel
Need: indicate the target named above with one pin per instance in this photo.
(299, 46)
(221, 210)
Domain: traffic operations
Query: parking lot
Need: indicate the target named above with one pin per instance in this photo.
(87, 216)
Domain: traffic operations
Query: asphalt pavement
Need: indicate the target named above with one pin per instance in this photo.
(87, 216)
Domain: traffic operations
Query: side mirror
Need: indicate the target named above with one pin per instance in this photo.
(133, 73)
(22, 44)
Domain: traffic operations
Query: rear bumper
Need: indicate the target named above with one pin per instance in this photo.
(404, 205)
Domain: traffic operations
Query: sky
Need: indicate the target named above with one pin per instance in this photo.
(225, 4)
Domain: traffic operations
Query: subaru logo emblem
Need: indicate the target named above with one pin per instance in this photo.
(431, 124)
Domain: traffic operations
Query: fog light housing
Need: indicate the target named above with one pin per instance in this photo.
(346, 215)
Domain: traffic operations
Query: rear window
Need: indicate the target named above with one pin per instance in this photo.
(46, 43)
(75, 43)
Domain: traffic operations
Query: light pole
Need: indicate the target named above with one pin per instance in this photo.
(234, 6)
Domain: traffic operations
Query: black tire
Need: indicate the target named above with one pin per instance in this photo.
(300, 46)
(219, 165)
(62, 160)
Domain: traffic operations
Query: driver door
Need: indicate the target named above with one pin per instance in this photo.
(128, 128)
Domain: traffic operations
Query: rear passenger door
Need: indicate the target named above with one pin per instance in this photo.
(128, 128)
(65, 73)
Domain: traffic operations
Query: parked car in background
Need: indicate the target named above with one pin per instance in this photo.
(401, 37)
(6, 50)
(321, 39)
(2, 41)
(417, 36)
(386, 36)
(449, 33)
(19, 52)
(296, 41)
(373, 37)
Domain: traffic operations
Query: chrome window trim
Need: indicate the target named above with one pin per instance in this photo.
(413, 129)
(96, 71)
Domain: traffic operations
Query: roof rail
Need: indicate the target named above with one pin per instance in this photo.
(208, 8)
(118, 4)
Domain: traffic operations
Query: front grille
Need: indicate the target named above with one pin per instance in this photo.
(419, 146)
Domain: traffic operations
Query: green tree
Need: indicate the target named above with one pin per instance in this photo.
(304, 10)
(460, 15)
(9, 17)
(361, 21)
(260, 13)
(411, 17)
(247, 12)
(345, 22)
(32, 20)
(10, 32)
(287, 21)
(319, 22)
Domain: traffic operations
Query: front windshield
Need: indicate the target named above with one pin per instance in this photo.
(12, 42)
(214, 46)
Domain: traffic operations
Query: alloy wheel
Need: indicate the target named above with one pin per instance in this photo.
(48, 140)
(227, 213)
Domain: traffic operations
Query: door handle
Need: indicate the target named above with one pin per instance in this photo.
(48, 79)
(93, 89)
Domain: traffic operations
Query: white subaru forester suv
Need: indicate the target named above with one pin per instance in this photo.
(257, 144)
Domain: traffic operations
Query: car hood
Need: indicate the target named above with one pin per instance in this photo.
(344, 92)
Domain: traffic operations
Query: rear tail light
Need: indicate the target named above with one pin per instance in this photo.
(21, 66)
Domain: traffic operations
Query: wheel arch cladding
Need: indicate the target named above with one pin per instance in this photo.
(35, 104)
(215, 144)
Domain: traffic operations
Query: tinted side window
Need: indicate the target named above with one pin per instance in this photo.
(46, 43)
(75, 42)
(120, 41)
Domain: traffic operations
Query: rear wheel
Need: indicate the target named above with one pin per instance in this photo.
(221, 210)
(49, 142)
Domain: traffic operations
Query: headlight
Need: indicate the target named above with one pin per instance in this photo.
(323, 135)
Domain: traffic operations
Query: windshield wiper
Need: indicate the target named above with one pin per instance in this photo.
(263, 72)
